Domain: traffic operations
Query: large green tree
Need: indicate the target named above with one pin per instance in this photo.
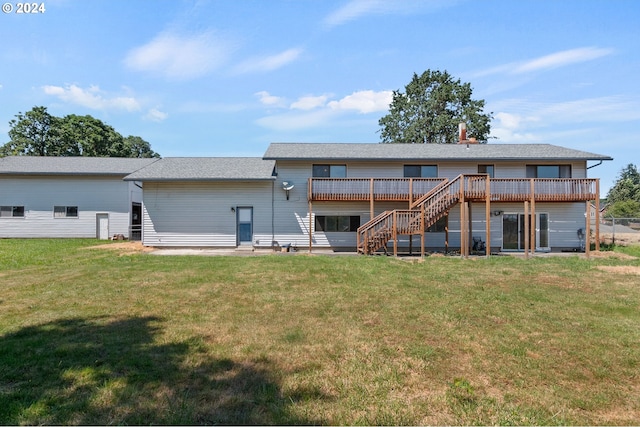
(624, 196)
(38, 133)
(430, 109)
(626, 187)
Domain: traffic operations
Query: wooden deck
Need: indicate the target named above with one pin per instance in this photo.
(475, 189)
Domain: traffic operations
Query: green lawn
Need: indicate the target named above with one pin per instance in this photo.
(93, 336)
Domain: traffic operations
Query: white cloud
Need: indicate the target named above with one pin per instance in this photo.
(521, 121)
(181, 57)
(548, 62)
(267, 99)
(269, 63)
(92, 97)
(365, 101)
(156, 115)
(561, 59)
(314, 111)
(358, 8)
(309, 102)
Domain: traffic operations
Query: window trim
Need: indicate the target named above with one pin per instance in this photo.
(493, 169)
(58, 211)
(532, 170)
(329, 166)
(320, 223)
(422, 169)
(12, 209)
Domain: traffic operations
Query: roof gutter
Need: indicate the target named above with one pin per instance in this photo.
(593, 166)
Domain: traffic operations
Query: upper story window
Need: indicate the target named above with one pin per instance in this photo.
(11, 211)
(329, 171)
(548, 171)
(420, 171)
(65, 211)
(488, 169)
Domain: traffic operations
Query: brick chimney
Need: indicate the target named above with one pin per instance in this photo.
(462, 133)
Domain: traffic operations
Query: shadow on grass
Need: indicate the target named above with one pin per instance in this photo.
(105, 371)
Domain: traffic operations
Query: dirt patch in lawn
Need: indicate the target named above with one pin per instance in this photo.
(610, 254)
(124, 248)
(620, 269)
(622, 239)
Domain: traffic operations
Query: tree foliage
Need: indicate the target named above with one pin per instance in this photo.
(624, 196)
(627, 186)
(38, 133)
(430, 110)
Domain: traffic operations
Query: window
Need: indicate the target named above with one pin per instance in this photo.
(11, 211)
(329, 171)
(420, 171)
(65, 211)
(488, 169)
(342, 223)
(440, 225)
(548, 171)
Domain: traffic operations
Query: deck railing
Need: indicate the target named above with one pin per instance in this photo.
(475, 188)
(354, 189)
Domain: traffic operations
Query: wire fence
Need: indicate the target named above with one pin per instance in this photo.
(620, 229)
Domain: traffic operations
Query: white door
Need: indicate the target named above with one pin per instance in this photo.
(102, 226)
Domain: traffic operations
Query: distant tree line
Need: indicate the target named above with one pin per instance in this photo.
(38, 133)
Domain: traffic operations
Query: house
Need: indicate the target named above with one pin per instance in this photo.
(373, 197)
(70, 197)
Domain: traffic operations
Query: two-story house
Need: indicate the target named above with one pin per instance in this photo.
(374, 197)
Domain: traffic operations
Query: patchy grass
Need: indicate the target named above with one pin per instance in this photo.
(90, 336)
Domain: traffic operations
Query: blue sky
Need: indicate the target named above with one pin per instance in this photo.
(226, 78)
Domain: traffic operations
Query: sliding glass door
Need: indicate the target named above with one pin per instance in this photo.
(513, 227)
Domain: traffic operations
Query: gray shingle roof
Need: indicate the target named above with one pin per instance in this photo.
(205, 169)
(34, 165)
(374, 152)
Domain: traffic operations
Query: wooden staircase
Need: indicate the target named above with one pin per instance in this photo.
(422, 213)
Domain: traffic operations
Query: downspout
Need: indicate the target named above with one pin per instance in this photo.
(273, 235)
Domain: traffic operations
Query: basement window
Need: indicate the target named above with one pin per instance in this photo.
(11, 211)
(337, 223)
(65, 211)
(440, 226)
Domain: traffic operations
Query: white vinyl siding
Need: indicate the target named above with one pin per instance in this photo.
(199, 214)
(39, 196)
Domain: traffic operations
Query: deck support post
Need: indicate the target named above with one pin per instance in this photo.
(532, 237)
(394, 233)
(587, 229)
(310, 225)
(446, 235)
(597, 214)
(487, 214)
(423, 235)
(463, 221)
(526, 229)
(469, 227)
(410, 192)
(371, 202)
